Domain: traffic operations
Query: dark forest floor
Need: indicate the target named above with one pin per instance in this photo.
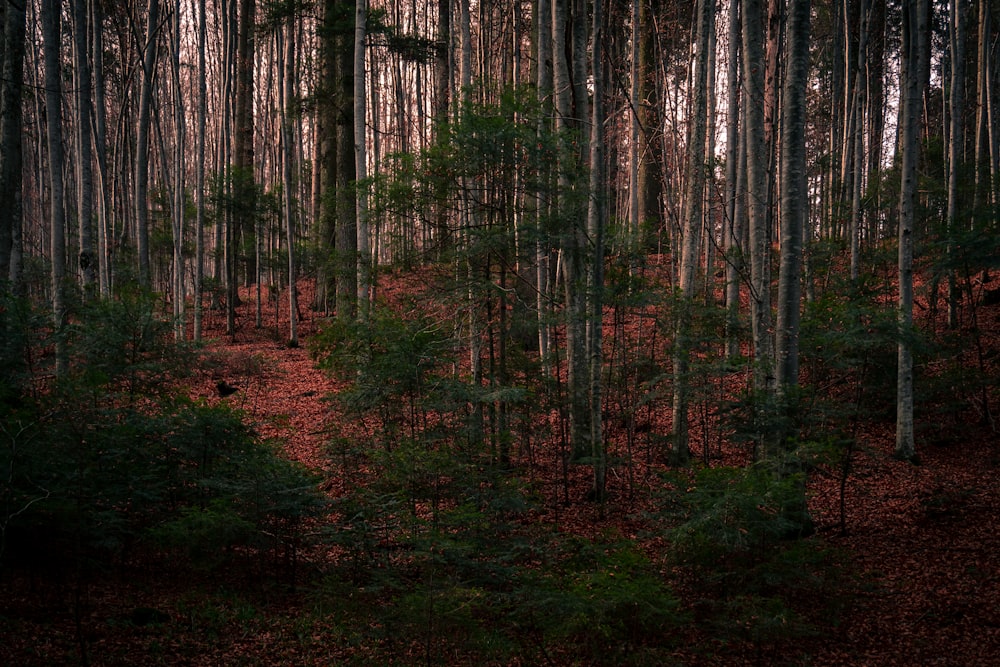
(921, 543)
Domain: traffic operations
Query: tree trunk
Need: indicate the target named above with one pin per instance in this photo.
(85, 173)
(650, 153)
(364, 258)
(104, 197)
(346, 198)
(179, 296)
(694, 198)
(11, 146)
(956, 140)
(288, 102)
(596, 224)
(51, 33)
(735, 196)
(543, 286)
(913, 61)
(142, 144)
(199, 253)
(757, 189)
(794, 194)
(857, 127)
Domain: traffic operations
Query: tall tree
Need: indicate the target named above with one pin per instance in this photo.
(84, 150)
(287, 115)
(142, 142)
(104, 197)
(346, 164)
(11, 148)
(958, 11)
(596, 225)
(201, 117)
(649, 178)
(735, 176)
(794, 194)
(757, 196)
(694, 198)
(51, 46)
(364, 259)
(913, 61)
(859, 96)
(178, 202)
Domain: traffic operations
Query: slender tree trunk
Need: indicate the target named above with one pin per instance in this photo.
(243, 226)
(288, 103)
(650, 182)
(959, 9)
(734, 176)
(179, 170)
(11, 141)
(142, 144)
(692, 225)
(85, 173)
(364, 257)
(543, 299)
(51, 44)
(199, 253)
(596, 225)
(104, 197)
(914, 53)
(857, 127)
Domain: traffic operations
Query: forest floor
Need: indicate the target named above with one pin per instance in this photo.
(922, 542)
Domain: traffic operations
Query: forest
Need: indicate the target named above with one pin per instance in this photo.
(499, 332)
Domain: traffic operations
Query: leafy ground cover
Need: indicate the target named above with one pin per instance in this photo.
(430, 555)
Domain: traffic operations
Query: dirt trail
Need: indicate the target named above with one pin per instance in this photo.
(279, 387)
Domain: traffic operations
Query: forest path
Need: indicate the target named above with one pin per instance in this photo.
(282, 392)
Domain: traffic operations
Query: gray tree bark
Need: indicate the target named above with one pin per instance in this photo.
(913, 62)
(757, 198)
(794, 194)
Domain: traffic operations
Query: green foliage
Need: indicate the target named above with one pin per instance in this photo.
(112, 458)
(731, 536)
